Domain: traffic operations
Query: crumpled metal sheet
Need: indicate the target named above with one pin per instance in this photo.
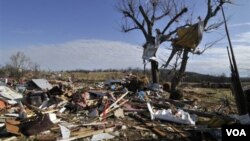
(42, 84)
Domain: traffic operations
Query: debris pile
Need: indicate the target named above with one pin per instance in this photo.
(118, 109)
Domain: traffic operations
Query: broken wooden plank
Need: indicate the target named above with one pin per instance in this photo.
(94, 124)
(115, 103)
(140, 128)
(154, 129)
(112, 109)
(12, 126)
(90, 133)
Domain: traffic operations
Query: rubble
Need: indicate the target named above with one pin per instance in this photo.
(126, 109)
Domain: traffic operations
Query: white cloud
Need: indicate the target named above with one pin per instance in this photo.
(215, 60)
(81, 54)
(100, 54)
(240, 24)
(242, 38)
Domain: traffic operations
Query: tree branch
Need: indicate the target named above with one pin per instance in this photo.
(154, 4)
(210, 12)
(127, 29)
(131, 9)
(207, 46)
(148, 22)
(167, 36)
(184, 10)
(161, 16)
(214, 26)
(128, 14)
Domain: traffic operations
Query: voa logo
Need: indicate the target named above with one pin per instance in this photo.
(236, 132)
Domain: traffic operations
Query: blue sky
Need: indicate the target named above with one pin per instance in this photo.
(29, 22)
(26, 24)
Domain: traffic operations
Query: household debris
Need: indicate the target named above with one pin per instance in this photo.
(126, 109)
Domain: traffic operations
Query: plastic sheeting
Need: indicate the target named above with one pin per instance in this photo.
(179, 117)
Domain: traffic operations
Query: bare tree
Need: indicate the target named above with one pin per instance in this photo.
(143, 16)
(187, 40)
(19, 63)
(184, 37)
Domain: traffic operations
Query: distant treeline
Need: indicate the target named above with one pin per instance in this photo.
(166, 75)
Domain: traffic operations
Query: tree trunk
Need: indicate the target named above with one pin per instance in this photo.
(155, 71)
(178, 76)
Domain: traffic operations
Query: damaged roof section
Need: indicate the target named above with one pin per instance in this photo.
(41, 84)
